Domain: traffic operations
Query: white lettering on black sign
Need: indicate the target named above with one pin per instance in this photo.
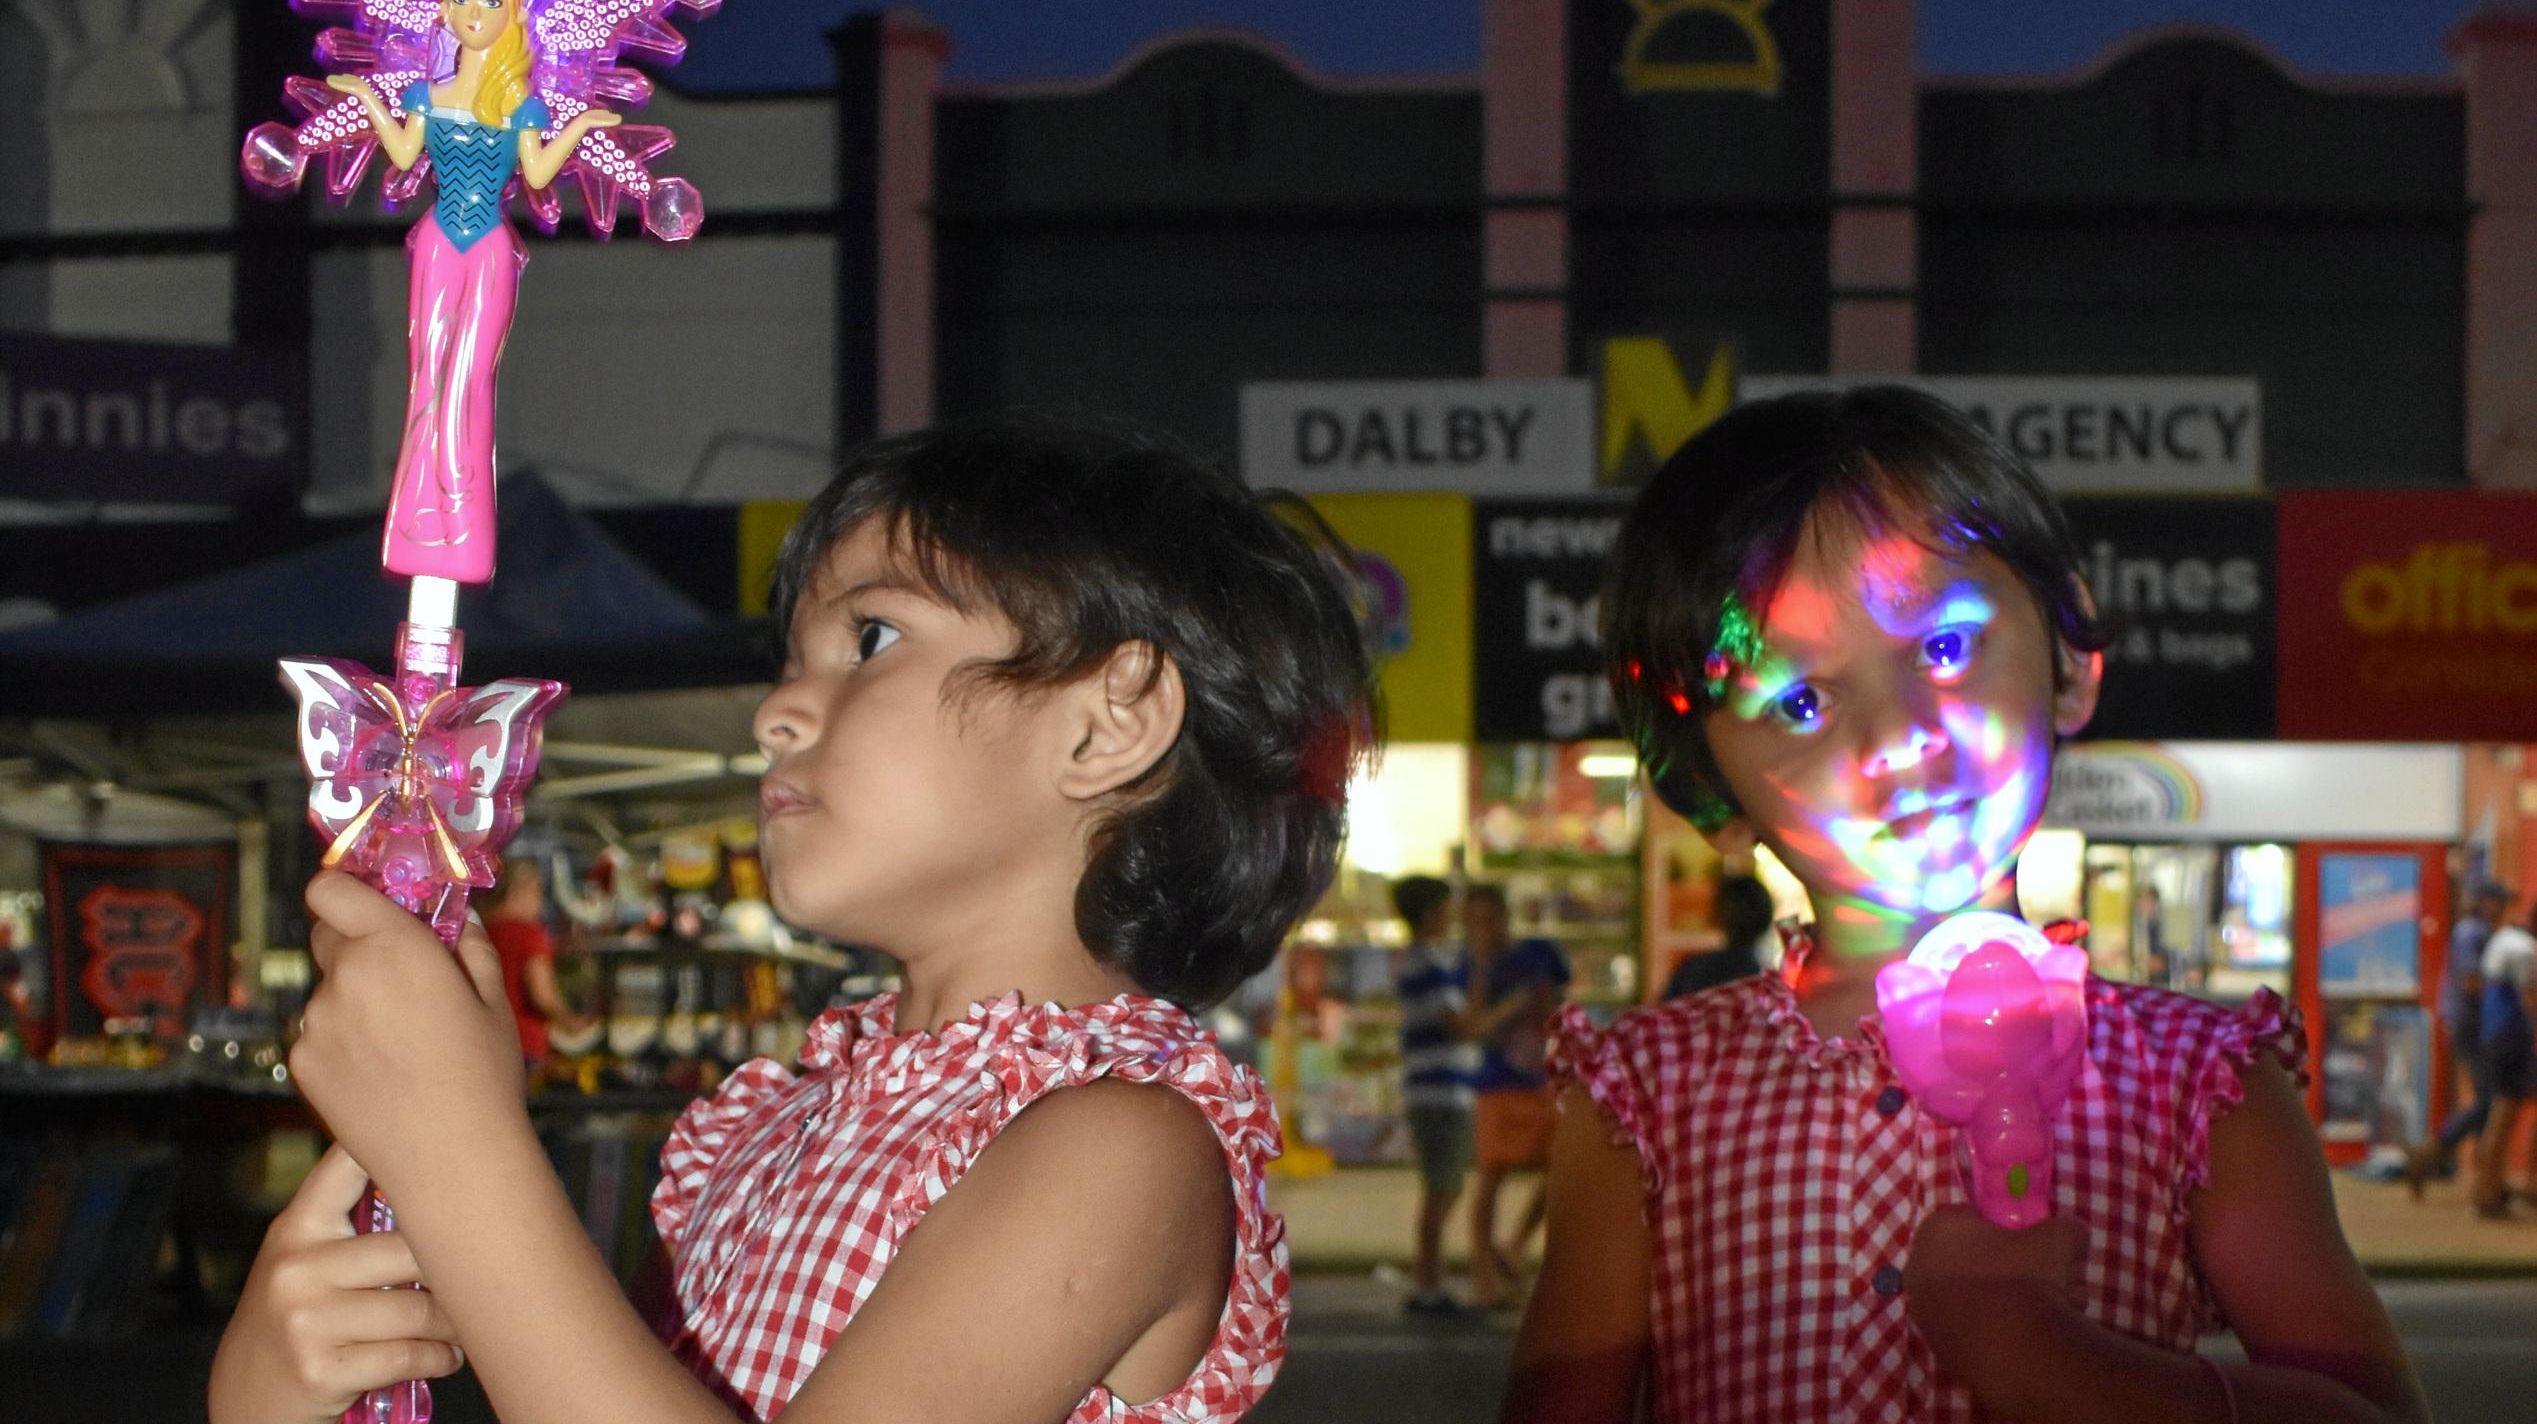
(1539, 668)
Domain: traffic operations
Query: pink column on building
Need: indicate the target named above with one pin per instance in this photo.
(1875, 176)
(1524, 103)
(2496, 55)
(913, 49)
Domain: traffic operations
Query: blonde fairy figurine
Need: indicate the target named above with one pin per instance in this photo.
(476, 93)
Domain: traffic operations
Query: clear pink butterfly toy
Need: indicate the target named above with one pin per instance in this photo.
(1987, 1022)
(415, 784)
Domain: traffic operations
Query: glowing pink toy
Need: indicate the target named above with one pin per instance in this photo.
(1987, 1022)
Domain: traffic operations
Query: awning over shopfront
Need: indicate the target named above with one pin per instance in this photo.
(567, 603)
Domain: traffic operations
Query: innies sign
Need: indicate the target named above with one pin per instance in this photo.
(1469, 437)
(131, 422)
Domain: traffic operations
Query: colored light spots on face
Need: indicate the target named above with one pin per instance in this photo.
(1895, 574)
(1739, 645)
(1801, 613)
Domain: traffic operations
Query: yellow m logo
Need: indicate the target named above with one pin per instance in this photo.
(1649, 410)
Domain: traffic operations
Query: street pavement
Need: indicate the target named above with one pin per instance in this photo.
(1354, 1355)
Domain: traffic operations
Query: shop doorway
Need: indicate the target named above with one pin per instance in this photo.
(2371, 915)
(2206, 919)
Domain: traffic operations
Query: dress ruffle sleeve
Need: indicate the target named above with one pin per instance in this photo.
(1598, 1060)
(2264, 1027)
(1028, 1053)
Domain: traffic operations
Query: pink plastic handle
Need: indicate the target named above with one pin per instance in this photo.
(408, 1402)
(1987, 1022)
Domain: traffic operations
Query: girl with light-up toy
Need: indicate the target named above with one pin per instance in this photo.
(1931, 1171)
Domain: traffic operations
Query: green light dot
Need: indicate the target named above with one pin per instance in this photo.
(2017, 1181)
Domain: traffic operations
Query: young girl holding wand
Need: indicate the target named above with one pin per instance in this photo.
(1852, 627)
(1064, 727)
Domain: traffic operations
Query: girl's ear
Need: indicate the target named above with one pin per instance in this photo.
(1733, 838)
(2082, 677)
(1121, 719)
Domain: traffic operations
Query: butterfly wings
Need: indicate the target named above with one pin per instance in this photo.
(418, 800)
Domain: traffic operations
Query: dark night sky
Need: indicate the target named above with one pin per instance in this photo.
(777, 44)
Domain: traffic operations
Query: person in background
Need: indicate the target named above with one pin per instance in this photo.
(2158, 966)
(515, 920)
(2462, 1009)
(1512, 1110)
(1744, 916)
(1440, 1055)
(2509, 1044)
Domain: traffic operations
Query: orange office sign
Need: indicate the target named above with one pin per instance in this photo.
(2408, 616)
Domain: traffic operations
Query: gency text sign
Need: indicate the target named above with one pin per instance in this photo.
(2104, 434)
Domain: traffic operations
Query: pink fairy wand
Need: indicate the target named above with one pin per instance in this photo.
(416, 783)
(1987, 1022)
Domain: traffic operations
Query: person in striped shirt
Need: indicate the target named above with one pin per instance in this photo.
(1440, 1056)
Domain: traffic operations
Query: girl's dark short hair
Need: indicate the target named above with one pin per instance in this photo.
(1089, 534)
(1717, 527)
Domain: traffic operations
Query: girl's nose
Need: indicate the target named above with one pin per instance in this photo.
(783, 723)
(1916, 742)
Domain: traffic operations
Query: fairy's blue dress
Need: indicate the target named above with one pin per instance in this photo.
(464, 270)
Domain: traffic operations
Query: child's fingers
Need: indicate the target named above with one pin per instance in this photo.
(351, 907)
(322, 1207)
(483, 964)
(353, 1370)
(371, 1262)
(373, 1317)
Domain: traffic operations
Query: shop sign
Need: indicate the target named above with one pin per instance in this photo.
(2257, 791)
(135, 422)
(1413, 554)
(2369, 914)
(2185, 589)
(1537, 575)
(2104, 434)
(1472, 437)
(1650, 404)
(140, 935)
(2408, 615)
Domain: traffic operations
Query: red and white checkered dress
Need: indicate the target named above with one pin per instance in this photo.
(784, 1197)
(1785, 1173)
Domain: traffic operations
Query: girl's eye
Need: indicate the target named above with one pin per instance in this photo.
(1800, 706)
(871, 638)
(1947, 650)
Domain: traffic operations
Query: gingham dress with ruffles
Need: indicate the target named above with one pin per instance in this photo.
(785, 1196)
(1785, 1172)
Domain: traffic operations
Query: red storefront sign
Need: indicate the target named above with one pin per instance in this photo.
(138, 933)
(2408, 616)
